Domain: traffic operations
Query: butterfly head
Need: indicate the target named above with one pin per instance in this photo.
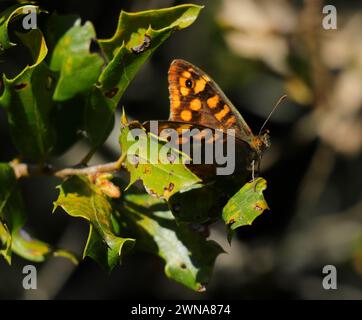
(261, 142)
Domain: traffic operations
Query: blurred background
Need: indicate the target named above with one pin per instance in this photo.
(256, 50)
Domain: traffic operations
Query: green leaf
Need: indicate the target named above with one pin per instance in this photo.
(178, 17)
(68, 115)
(137, 36)
(56, 26)
(5, 242)
(68, 122)
(78, 68)
(11, 210)
(27, 100)
(246, 205)
(145, 161)
(35, 250)
(81, 198)
(189, 257)
(6, 17)
(197, 204)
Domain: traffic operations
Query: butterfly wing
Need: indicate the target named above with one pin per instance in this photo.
(196, 98)
(198, 141)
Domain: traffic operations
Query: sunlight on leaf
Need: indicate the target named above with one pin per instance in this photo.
(80, 198)
(160, 178)
(246, 205)
(6, 17)
(189, 257)
(35, 250)
(78, 67)
(137, 36)
(27, 104)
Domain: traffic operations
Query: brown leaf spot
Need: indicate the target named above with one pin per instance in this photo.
(183, 266)
(171, 186)
(20, 86)
(111, 93)
(146, 170)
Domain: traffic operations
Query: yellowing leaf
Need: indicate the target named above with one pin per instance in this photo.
(81, 198)
(161, 177)
(246, 205)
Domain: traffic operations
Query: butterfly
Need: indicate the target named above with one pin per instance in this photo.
(196, 101)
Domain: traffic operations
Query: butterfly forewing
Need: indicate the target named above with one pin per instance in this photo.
(197, 99)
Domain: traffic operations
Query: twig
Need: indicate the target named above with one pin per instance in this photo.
(27, 170)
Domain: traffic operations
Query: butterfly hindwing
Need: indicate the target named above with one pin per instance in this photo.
(196, 98)
(198, 141)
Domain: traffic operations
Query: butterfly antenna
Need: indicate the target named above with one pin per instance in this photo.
(280, 100)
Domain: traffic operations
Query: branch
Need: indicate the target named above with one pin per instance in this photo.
(27, 170)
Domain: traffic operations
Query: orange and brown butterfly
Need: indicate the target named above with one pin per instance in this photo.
(197, 101)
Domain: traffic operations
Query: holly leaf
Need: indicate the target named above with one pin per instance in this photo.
(197, 204)
(189, 257)
(78, 68)
(27, 100)
(11, 210)
(137, 36)
(6, 17)
(246, 205)
(161, 169)
(68, 115)
(56, 26)
(79, 197)
(29, 248)
(5, 242)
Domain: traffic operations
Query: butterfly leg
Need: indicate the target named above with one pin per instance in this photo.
(253, 170)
